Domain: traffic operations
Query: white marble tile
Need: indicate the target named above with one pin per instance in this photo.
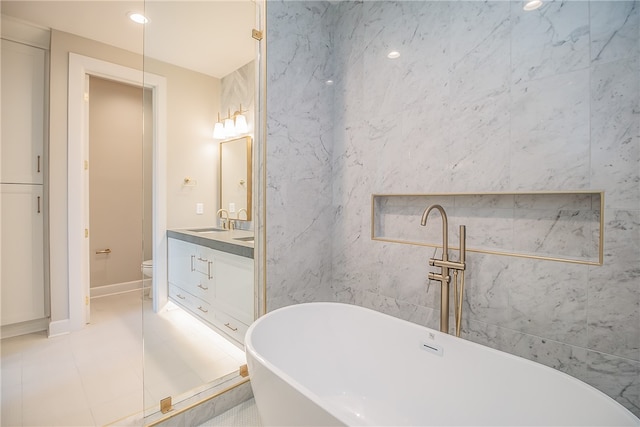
(487, 289)
(238, 89)
(480, 47)
(614, 30)
(404, 310)
(617, 377)
(614, 294)
(566, 358)
(479, 147)
(419, 32)
(299, 149)
(550, 133)
(615, 132)
(549, 300)
(549, 41)
(567, 234)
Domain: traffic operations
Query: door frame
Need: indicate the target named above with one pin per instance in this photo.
(80, 67)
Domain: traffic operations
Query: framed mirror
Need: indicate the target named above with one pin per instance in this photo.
(235, 177)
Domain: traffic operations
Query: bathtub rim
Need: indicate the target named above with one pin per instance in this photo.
(346, 418)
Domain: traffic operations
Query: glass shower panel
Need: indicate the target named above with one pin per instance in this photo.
(198, 56)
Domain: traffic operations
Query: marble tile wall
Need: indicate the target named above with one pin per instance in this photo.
(238, 88)
(484, 97)
(298, 158)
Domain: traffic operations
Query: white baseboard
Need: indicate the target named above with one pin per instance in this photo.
(119, 288)
(59, 327)
(23, 328)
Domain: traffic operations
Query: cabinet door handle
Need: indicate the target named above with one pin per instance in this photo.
(193, 257)
(228, 325)
(38, 164)
(209, 264)
(38, 204)
(104, 251)
(204, 288)
(204, 310)
(180, 296)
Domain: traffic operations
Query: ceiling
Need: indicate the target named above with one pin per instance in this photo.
(212, 37)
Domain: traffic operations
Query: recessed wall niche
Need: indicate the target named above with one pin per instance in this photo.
(555, 226)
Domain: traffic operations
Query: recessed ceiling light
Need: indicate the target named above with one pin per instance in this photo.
(393, 54)
(138, 17)
(532, 5)
(329, 82)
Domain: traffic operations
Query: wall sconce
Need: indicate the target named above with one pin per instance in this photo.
(234, 124)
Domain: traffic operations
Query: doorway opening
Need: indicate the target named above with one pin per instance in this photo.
(80, 68)
(120, 181)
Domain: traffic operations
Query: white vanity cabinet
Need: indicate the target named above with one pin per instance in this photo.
(215, 286)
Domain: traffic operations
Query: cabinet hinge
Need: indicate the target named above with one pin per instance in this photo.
(86, 232)
(86, 97)
(86, 300)
(86, 165)
(256, 34)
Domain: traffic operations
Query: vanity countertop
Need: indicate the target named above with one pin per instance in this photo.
(237, 242)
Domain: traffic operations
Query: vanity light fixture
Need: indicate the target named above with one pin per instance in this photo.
(234, 124)
(530, 5)
(241, 124)
(138, 17)
(218, 129)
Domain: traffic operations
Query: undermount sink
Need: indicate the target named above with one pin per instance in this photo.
(244, 239)
(207, 230)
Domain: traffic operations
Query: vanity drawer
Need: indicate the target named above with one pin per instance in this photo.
(194, 304)
(202, 288)
(231, 326)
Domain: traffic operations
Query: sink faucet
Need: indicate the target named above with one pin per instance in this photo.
(225, 222)
(446, 267)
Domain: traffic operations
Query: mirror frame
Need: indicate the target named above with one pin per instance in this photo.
(248, 179)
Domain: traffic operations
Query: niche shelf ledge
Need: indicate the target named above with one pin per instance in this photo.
(565, 226)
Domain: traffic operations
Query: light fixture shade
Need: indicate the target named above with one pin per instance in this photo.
(241, 124)
(218, 131)
(229, 128)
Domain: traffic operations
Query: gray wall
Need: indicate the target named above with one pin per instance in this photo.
(485, 97)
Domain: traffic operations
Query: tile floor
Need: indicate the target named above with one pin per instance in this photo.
(97, 375)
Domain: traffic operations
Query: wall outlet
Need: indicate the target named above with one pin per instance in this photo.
(199, 208)
(232, 208)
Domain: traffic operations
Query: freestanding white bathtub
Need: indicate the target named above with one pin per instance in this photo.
(338, 364)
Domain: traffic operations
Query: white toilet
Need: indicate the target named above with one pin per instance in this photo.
(147, 268)
(147, 271)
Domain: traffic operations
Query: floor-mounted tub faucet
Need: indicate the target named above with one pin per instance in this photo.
(446, 267)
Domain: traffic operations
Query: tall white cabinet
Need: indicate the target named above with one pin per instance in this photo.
(22, 179)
